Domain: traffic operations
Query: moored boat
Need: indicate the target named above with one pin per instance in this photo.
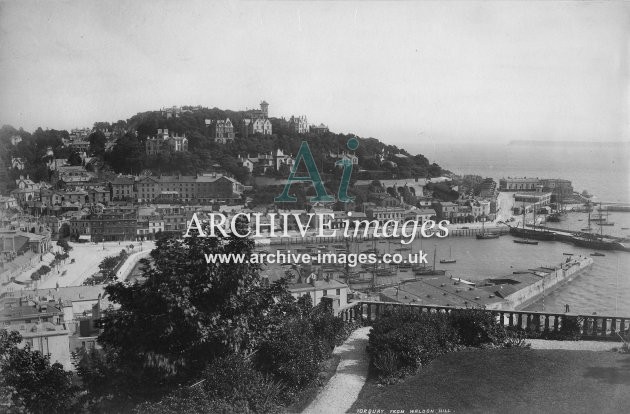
(536, 234)
(525, 241)
(485, 236)
(595, 242)
(427, 271)
(450, 257)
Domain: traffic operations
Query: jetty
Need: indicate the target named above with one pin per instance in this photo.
(510, 292)
(618, 207)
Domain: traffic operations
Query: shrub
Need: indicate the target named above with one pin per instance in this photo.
(187, 400)
(404, 340)
(326, 327)
(476, 327)
(515, 338)
(386, 363)
(229, 385)
(292, 354)
(570, 329)
(234, 379)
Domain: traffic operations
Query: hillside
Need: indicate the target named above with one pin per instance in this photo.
(375, 159)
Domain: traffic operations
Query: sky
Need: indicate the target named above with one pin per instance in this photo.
(404, 72)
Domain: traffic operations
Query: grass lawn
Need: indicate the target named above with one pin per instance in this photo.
(510, 381)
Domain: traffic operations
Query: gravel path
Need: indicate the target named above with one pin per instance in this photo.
(574, 345)
(343, 388)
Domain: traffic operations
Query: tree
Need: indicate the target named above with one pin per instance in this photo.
(41, 387)
(185, 314)
(64, 231)
(109, 263)
(97, 143)
(435, 170)
(74, 158)
(64, 245)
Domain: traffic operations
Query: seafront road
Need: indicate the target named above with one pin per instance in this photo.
(87, 257)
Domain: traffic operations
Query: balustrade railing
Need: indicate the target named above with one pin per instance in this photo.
(591, 327)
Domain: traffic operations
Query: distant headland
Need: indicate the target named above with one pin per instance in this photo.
(581, 143)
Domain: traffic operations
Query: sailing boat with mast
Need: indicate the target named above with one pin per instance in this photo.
(428, 271)
(486, 235)
(526, 241)
(596, 241)
(560, 209)
(536, 234)
(601, 220)
(589, 228)
(450, 256)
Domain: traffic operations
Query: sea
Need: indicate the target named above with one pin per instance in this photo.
(602, 169)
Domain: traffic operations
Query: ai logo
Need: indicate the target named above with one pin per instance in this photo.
(304, 154)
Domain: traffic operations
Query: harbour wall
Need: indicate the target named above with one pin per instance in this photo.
(340, 238)
(550, 281)
(125, 270)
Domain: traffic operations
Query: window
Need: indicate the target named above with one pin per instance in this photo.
(338, 292)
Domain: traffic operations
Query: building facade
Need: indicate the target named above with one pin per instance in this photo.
(518, 184)
(299, 124)
(203, 188)
(256, 122)
(165, 142)
(220, 131)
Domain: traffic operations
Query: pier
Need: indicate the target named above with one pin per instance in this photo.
(615, 207)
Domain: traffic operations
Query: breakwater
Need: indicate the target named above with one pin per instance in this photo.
(550, 278)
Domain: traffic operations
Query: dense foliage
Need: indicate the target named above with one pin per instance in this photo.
(187, 316)
(403, 340)
(376, 160)
(108, 268)
(28, 381)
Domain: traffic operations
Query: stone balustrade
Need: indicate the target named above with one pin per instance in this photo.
(591, 327)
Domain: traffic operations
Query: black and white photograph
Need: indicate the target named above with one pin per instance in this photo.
(317, 207)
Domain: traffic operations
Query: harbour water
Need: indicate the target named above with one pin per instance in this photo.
(603, 288)
(601, 169)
